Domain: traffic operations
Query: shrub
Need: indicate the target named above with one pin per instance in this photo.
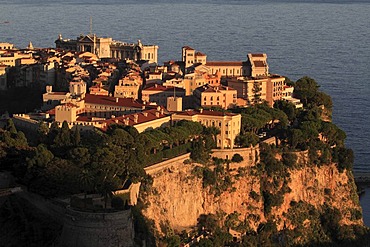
(254, 195)
(237, 158)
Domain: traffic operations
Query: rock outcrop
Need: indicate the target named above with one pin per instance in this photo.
(178, 196)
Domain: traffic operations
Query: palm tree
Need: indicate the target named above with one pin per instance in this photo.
(86, 181)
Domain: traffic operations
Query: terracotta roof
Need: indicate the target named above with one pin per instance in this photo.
(257, 55)
(209, 88)
(158, 87)
(108, 100)
(205, 113)
(198, 53)
(51, 112)
(259, 63)
(142, 117)
(224, 63)
(188, 48)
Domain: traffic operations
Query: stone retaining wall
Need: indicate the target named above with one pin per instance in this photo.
(113, 229)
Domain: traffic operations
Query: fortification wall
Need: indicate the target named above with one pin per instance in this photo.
(97, 229)
(166, 164)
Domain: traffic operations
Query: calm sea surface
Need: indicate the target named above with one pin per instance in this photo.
(327, 40)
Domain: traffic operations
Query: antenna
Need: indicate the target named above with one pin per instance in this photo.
(90, 25)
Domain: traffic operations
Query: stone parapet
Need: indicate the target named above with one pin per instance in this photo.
(97, 229)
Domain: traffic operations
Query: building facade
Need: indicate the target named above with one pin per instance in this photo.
(218, 96)
(229, 124)
(108, 48)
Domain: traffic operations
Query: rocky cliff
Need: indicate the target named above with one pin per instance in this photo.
(294, 199)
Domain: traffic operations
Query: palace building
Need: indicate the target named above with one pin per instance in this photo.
(109, 48)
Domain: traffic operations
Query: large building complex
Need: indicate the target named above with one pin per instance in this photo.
(126, 90)
(109, 48)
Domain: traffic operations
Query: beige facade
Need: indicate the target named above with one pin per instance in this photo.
(258, 65)
(128, 86)
(159, 94)
(191, 57)
(275, 88)
(66, 112)
(257, 89)
(11, 59)
(219, 96)
(228, 123)
(77, 87)
(52, 99)
(199, 78)
(6, 46)
(228, 68)
(108, 48)
(174, 104)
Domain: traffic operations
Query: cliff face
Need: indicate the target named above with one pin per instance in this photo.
(178, 196)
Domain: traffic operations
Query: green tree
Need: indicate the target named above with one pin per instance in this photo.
(76, 137)
(173, 241)
(306, 89)
(40, 158)
(10, 126)
(63, 138)
(247, 139)
(200, 150)
(42, 132)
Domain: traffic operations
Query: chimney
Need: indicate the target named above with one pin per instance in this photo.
(145, 114)
(162, 111)
(136, 118)
(157, 113)
(201, 110)
(116, 100)
(126, 121)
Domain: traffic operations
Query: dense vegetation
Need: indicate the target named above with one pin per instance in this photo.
(61, 161)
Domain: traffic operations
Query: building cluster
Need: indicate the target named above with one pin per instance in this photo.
(94, 82)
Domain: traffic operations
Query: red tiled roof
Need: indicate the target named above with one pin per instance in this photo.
(205, 113)
(209, 88)
(198, 53)
(259, 63)
(142, 117)
(257, 55)
(108, 100)
(224, 63)
(187, 48)
(51, 112)
(158, 87)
